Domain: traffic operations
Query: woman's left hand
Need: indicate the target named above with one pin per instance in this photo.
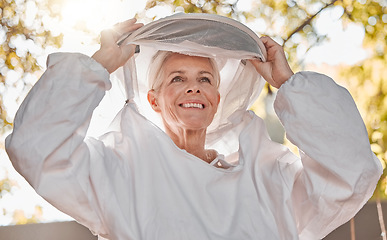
(276, 69)
(111, 55)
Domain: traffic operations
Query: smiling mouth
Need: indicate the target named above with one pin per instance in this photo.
(192, 105)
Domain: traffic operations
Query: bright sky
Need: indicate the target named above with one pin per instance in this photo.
(344, 47)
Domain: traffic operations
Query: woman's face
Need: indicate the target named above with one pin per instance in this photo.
(188, 97)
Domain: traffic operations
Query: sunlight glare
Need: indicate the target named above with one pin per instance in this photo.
(96, 15)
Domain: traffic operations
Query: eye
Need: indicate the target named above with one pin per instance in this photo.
(177, 79)
(205, 79)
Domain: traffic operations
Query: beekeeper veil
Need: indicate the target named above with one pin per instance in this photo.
(225, 40)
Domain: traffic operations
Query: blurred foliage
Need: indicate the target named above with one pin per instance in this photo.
(368, 83)
(368, 79)
(6, 185)
(19, 217)
(292, 22)
(23, 35)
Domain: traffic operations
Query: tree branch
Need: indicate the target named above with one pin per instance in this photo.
(307, 21)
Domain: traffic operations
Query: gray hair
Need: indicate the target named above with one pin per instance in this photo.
(155, 70)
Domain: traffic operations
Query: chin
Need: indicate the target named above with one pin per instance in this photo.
(199, 124)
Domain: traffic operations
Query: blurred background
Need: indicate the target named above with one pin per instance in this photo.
(344, 39)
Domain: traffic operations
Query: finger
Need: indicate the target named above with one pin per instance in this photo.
(110, 35)
(263, 68)
(122, 25)
(127, 32)
(256, 63)
(271, 46)
(127, 26)
(132, 27)
(268, 41)
(129, 21)
(118, 29)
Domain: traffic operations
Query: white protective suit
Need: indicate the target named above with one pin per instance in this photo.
(134, 183)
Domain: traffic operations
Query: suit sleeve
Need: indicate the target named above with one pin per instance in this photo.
(339, 171)
(47, 145)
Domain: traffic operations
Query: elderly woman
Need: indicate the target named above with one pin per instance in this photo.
(144, 183)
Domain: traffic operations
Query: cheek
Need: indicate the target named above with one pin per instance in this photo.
(214, 97)
(167, 98)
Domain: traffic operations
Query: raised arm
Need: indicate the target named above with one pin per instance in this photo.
(339, 171)
(47, 145)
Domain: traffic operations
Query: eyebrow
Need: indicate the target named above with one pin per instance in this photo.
(175, 72)
(182, 72)
(206, 72)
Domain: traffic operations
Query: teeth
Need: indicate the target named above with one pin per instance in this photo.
(192, 105)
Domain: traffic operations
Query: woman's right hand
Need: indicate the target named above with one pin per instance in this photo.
(111, 55)
(276, 69)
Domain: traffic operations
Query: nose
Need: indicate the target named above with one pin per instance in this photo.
(192, 87)
(191, 90)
